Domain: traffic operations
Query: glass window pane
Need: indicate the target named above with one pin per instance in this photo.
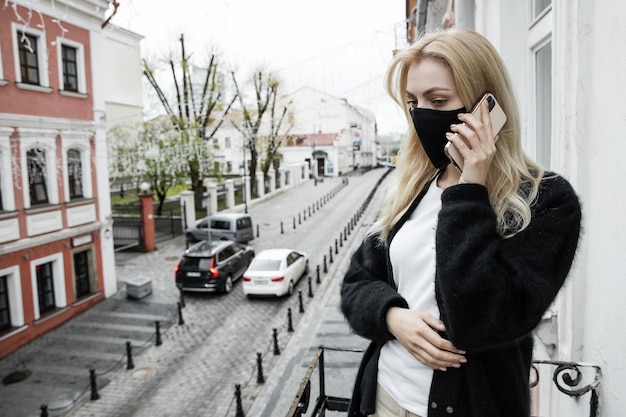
(543, 93)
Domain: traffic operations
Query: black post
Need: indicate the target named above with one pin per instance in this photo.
(299, 219)
(44, 411)
(182, 298)
(317, 272)
(336, 247)
(181, 321)
(325, 266)
(281, 228)
(310, 289)
(129, 357)
(345, 234)
(304, 214)
(158, 340)
(275, 337)
(289, 321)
(259, 366)
(239, 412)
(300, 302)
(257, 230)
(341, 239)
(294, 223)
(330, 254)
(94, 385)
(309, 211)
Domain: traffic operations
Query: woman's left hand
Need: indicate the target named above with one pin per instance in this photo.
(475, 141)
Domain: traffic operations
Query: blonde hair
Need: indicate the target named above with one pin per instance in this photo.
(513, 179)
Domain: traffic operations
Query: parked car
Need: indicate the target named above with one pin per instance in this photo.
(224, 226)
(275, 272)
(212, 266)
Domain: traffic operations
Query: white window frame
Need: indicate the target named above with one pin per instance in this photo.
(42, 58)
(539, 35)
(28, 143)
(6, 179)
(14, 287)
(2, 80)
(58, 279)
(85, 162)
(80, 70)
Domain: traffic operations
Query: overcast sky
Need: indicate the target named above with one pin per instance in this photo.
(339, 47)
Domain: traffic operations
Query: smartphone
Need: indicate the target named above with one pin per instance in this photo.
(498, 118)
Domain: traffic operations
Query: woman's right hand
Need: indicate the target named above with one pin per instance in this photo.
(417, 332)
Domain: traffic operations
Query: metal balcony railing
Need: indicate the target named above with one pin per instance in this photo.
(567, 376)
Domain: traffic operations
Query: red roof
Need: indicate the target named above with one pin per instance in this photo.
(316, 139)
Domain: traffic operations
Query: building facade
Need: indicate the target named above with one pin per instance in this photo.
(333, 136)
(56, 250)
(566, 62)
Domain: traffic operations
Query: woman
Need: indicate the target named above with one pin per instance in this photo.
(460, 266)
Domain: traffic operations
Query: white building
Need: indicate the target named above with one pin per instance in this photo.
(335, 136)
(566, 58)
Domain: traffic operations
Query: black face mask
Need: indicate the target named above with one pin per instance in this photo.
(431, 127)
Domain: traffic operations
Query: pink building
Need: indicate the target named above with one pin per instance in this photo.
(56, 251)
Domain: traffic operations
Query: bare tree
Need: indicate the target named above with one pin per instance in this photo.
(191, 114)
(265, 93)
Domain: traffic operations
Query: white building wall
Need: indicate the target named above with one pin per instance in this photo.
(588, 80)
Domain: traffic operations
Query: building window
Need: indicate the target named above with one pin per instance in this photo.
(45, 288)
(5, 312)
(36, 164)
(29, 59)
(229, 167)
(227, 143)
(81, 273)
(543, 98)
(69, 57)
(539, 6)
(75, 174)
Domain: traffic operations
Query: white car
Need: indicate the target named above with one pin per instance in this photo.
(275, 272)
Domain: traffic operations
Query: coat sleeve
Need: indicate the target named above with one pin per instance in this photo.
(366, 294)
(493, 290)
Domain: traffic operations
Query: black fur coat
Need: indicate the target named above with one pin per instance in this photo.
(491, 293)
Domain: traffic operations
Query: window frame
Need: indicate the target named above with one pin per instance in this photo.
(90, 279)
(14, 290)
(6, 177)
(42, 58)
(58, 280)
(44, 175)
(71, 179)
(81, 86)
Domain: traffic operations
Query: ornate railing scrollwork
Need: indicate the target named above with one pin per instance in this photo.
(568, 379)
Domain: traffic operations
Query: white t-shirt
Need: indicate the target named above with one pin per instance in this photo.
(412, 254)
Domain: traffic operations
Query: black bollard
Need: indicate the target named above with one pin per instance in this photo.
(259, 367)
(330, 254)
(282, 231)
(341, 239)
(309, 211)
(325, 266)
(129, 357)
(158, 340)
(299, 219)
(275, 337)
(182, 298)
(345, 234)
(300, 302)
(44, 411)
(317, 272)
(94, 385)
(336, 247)
(304, 214)
(310, 289)
(294, 223)
(289, 321)
(239, 412)
(181, 321)
(257, 230)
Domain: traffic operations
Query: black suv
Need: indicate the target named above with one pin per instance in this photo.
(212, 266)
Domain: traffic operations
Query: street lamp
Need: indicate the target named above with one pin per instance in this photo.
(245, 197)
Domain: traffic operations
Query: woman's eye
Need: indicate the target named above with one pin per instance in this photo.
(412, 104)
(439, 102)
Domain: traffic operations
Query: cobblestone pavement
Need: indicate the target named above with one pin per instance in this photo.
(195, 369)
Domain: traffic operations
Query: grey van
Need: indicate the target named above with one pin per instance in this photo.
(225, 226)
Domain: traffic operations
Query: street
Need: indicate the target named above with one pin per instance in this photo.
(195, 370)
